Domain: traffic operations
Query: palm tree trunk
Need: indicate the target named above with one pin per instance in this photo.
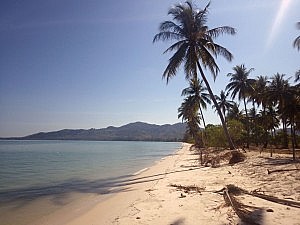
(293, 139)
(231, 145)
(202, 118)
(203, 133)
(285, 136)
(247, 121)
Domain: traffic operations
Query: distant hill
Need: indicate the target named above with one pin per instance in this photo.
(137, 131)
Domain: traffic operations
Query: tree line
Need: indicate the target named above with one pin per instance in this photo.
(267, 103)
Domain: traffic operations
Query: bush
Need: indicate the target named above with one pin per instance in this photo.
(215, 136)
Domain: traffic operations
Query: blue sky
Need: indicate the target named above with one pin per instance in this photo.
(84, 64)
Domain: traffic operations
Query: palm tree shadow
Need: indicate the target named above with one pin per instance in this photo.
(257, 216)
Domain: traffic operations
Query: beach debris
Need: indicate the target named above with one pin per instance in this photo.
(188, 189)
(283, 170)
(182, 195)
(243, 211)
(214, 156)
(138, 218)
(256, 193)
(230, 193)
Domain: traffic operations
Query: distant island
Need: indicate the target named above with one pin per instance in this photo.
(137, 131)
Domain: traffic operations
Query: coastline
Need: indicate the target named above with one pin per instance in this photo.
(41, 202)
(149, 198)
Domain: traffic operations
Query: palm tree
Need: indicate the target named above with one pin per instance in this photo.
(290, 111)
(234, 113)
(241, 85)
(278, 93)
(269, 121)
(188, 111)
(223, 102)
(198, 95)
(260, 88)
(194, 44)
(296, 42)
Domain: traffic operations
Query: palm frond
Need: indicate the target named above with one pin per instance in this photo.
(215, 32)
(296, 43)
(223, 52)
(174, 62)
(175, 46)
(208, 61)
(166, 35)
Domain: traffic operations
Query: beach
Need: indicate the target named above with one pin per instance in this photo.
(155, 195)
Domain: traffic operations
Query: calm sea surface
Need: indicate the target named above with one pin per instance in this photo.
(32, 168)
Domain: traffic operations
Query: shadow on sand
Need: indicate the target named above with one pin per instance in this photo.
(61, 190)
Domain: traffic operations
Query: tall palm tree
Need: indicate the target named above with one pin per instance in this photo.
(241, 86)
(278, 93)
(198, 95)
(291, 110)
(223, 102)
(296, 42)
(194, 46)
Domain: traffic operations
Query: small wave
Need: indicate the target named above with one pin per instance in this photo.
(140, 171)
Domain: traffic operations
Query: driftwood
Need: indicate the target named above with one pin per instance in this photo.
(239, 208)
(276, 171)
(237, 191)
(244, 211)
(188, 189)
(276, 200)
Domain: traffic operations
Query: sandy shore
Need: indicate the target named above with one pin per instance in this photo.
(149, 198)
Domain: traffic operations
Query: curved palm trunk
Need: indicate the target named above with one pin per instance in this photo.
(247, 121)
(202, 118)
(203, 133)
(231, 145)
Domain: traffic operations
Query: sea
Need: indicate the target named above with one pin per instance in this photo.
(48, 171)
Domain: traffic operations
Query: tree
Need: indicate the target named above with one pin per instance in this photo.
(296, 42)
(234, 113)
(278, 93)
(261, 88)
(290, 111)
(197, 92)
(223, 102)
(194, 46)
(241, 86)
(188, 111)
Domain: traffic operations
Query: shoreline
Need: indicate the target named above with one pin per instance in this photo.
(154, 195)
(68, 200)
(152, 198)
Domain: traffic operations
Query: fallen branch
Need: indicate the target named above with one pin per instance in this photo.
(286, 170)
(188, 189)
(239, 208)
(276, 200)
(255, 193)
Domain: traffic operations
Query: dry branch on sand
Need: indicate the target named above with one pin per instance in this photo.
(244, 211)
(188, 189)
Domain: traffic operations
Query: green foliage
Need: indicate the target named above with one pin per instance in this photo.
(215, 136)
(237, 132)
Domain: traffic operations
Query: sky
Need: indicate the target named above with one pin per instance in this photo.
(91, 64)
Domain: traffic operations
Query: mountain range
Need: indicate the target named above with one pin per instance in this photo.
(137, 131)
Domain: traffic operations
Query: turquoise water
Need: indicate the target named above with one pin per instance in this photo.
(30, 169)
